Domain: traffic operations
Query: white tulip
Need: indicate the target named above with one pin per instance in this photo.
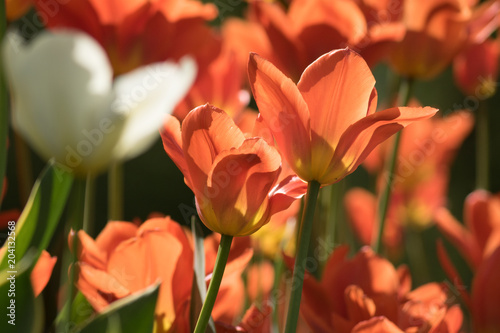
(66, 104)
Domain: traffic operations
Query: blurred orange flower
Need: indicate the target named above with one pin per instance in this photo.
(136, 33)
(291, 39)
(366, 293)
(257, 319)
(485, 295)
(480, 235)
(42, 271)
(234, 180)
(326, 125)
(478, 241)
(221, 84)
(435, 32)
(17, 8)
(476, 69)
(126, 258)
(420, 182)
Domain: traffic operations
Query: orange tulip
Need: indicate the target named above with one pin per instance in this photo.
(326, 125)
(478, 241)
(420, 181)
(480, 235)
(221, 83)
(260, 280)
(17, 8)
(435, 32)
(255, 320)
(366, 293)
(233, 179)
(361, 209)
(476, 69)
(485, 294)
(291, 39)
(42, 271)
(126, 258)
(136, 33)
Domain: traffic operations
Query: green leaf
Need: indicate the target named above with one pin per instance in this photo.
(81, 311)
(133, 314)
(199, 286)
(17, 300)
(42, 212)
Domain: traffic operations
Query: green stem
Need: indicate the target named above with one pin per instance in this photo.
(213, 288)
(301, 256)
(75, 211)
(279, 265)
(115, 192)
(404, 97)
(24, 168)
(4, 105)
(482, 148)
(88, 205)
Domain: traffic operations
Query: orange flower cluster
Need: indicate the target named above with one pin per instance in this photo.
(281, 102)
(367, 294)
(126, 258)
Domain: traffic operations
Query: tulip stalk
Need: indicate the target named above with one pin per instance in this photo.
(4, 105)
(405, 87)
(482, 148)
(89, 205)
(115, 192)
(213, 288)
(299, 268)
(76, 208)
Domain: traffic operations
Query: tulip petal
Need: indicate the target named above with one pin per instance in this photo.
(41, 272)
(460, 237)
(88, 251)
(359, 306)
(316, 306)
(478, 216)
(137, 263)
(363, 136)
(284, 111)
(336, 88)
(238, 187)
(56, 118)
(285, 193)
(452, 273)
(184, 267)
(485, 295)
(113, 234)
(376, 325)
(404, 276)
(361, 208)
(207, 131)
(144, 97)
(172, 143)
(257, 319)
(102, 281)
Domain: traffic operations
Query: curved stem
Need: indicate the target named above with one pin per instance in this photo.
(301, 256)
(404, 97)
(482, 148)
(213, 288)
